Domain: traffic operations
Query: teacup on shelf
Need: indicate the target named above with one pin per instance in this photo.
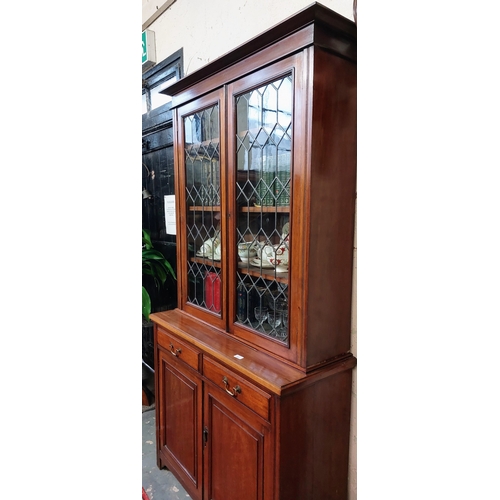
(246, 251)
(211, 249)
(258, 246)
(277, 255)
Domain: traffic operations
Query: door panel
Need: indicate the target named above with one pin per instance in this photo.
(234, 454)
(179, 426)
(201, 203)
(261, 193)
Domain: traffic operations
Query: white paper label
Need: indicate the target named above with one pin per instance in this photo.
(170, 213)
(237, 356)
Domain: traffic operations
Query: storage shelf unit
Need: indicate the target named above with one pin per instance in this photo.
(254, 365)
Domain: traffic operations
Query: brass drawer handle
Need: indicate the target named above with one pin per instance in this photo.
(236, 389)
(175, 352)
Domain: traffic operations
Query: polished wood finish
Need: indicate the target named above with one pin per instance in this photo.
(211, 99)
(260, 418)
(285, 434)
(178, 420)
(332, 181)
(237, 387)
(314, 440)
(322, 211)
(183, 351)
(291, 352)
(323, 193)
(255, 271)
(238, 455)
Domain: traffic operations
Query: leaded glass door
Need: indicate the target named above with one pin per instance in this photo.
(261, 143)
(201, 204)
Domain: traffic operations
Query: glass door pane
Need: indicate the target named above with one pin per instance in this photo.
(263, 157)
(203, 211)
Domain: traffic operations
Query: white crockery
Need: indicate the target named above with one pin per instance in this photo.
(211, 249)
(246, 251)
(277, 255)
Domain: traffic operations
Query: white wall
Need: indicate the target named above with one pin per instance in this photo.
(208, 29)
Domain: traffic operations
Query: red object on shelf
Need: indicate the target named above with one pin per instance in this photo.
(212, 292)
(144, 495)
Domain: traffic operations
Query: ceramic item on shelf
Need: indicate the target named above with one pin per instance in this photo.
(258, 246)
(246, 251)
(261, 263)
(211, 249)
(277, 255)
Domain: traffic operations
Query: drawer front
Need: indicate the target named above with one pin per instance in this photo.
(179, 349)
(239, 388)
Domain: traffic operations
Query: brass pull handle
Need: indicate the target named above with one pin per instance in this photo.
(236, 389)
(175, 352)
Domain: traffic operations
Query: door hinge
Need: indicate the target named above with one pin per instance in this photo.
(205, 436)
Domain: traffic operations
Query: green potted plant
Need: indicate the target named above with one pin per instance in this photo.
(154, 264)
(156, 269)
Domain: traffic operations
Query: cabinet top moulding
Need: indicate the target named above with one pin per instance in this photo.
(340, 38)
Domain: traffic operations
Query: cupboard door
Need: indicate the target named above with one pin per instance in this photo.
(179, 421)
(201, 205)
(235, 454)
(261, 139)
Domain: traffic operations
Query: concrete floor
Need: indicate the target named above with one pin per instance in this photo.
(159, 484)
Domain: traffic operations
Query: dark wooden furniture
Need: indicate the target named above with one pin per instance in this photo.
(265, 153)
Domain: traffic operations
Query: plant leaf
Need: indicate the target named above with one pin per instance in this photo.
(154, 264)
(146, 304)
(146, 239)
(152, 254)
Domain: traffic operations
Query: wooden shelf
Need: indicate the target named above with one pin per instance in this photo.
(206, 262)
(267, 209)
(204, 208)
(267, 274)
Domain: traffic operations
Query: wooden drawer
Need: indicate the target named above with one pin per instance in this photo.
(179, 349)
(239, 388)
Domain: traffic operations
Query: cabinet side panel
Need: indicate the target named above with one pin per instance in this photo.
(314, 440)
(332, 205)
